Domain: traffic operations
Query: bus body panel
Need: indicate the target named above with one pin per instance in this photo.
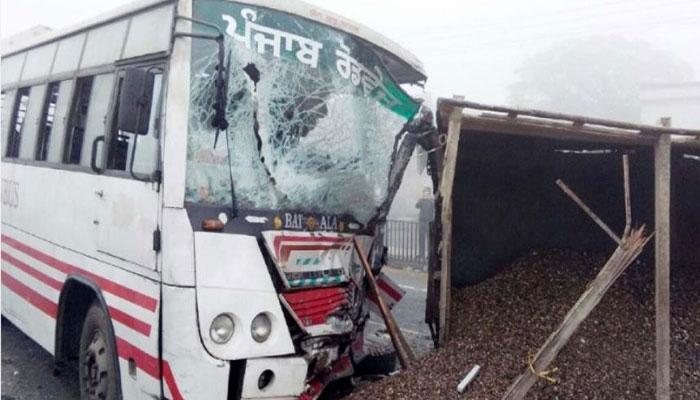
(53, 204)
(177, 114)
(189, 372)
(127, 217)
(289, 381)
(177, 241)
(50, 233)
(232, 278)
(65, 209)
(34, 272)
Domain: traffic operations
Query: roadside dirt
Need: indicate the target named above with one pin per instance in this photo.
(499, 322)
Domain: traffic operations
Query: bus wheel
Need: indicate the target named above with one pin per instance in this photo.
(97, 362)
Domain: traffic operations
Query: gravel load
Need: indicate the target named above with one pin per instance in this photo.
(501, 322)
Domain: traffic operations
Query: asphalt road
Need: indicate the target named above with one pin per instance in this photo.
(410, 311)
(27, 369)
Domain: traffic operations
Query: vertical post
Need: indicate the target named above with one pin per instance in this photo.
(662, 189)
(451, 148)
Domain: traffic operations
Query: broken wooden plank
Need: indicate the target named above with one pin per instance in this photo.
(588, 211)
(403, 350)
(629, 248)
(662, 189)
(616, 264)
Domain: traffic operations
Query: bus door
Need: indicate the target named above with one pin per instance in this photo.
(129, 193)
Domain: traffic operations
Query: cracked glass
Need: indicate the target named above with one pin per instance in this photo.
(312, 113)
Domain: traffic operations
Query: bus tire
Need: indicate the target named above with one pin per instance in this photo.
(97, 362)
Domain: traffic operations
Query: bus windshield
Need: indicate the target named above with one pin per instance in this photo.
(313, 114)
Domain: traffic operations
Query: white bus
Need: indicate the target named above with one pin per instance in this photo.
(181, 185)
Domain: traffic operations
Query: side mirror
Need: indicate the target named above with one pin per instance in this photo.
(135, 101)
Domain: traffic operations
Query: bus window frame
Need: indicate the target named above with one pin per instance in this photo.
(43, 139)
(71, 125)
(13, 140)
(161, 59)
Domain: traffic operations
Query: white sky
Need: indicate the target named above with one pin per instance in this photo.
(469, 47)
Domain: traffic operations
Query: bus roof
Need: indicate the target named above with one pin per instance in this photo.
(404, 66)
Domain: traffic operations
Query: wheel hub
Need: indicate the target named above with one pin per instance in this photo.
(95, 367)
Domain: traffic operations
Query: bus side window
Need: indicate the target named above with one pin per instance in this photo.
(19, 114)
(88, 115)
(78, 120)
(47, 121)
(122, 142)
(97, 117)
(61, 122)
(30, 130)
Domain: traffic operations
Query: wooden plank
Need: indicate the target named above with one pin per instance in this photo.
(628, 199)
(403, 350)
(662, 188)
(447, 183)
(579, 120)
(588, 211)
(622, 257)
(554, 130)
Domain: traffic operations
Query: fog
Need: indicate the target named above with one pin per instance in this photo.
(596, 54)
(471, 48)
(474, 48)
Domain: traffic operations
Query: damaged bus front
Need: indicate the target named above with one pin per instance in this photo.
(296, 121)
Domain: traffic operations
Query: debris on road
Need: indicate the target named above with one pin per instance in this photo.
(467, 379)
(502, 321)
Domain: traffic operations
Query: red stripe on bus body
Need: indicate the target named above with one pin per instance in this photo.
(144, 361)
(133, 323)
(149, 364)
(45, 305)
(118, 315)
(21, 265)
(170, 381)
(107, 285)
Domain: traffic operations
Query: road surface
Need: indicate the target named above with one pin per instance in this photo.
(410, 312)
(27, 369)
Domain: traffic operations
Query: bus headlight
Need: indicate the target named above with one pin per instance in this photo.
(261, 327)
(221, 329)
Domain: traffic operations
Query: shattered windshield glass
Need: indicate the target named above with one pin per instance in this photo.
(312, 115)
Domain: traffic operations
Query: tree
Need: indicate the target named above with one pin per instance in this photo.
(599, 76)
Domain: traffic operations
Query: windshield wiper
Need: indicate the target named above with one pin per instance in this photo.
(221, 81)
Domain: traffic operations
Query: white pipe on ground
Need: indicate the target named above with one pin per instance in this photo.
(467, 379)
